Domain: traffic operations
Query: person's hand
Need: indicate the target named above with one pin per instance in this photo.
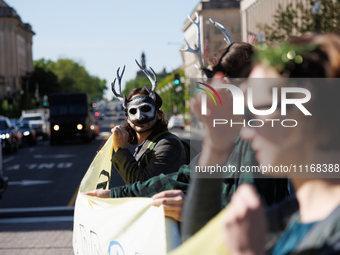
(245, 223)
(120, 137)
(172, 201)
(220, 138)
(102, 193)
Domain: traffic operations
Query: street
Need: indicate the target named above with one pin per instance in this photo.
(36, 210)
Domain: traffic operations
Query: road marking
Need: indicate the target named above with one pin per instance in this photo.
(41, 166)
(37, 219)
(8, 159)
(29, 182)
(46, 165)
(15, 167)
(105, 134)
(55, 156)
(65, 165)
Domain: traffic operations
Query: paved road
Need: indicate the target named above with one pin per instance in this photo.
(36, 211)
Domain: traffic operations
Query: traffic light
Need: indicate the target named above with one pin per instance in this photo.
(45, 99)
(176, 79)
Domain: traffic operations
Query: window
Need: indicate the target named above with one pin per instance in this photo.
(236, 29)
(3, 125)
(32, 118)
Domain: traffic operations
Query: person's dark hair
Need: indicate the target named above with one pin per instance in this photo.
(160, 126)
(322, 62)
(233, 60)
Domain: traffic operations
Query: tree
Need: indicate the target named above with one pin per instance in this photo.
(299, 20)
(71, 77)
(170, 96)
(139, 81)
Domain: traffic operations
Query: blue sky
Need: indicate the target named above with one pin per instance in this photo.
(106, 34)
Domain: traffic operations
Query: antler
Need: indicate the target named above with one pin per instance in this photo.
(223, 30)
(119, 96)
(197, 52)
(152, 80)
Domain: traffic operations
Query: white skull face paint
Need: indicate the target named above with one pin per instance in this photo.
(141, 109)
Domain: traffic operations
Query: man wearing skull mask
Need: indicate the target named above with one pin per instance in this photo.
(145, 122)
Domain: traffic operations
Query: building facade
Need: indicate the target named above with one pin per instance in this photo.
(257, 12)
(16, 61)
(225, 12)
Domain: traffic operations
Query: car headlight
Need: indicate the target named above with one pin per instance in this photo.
(3, 136)
(92, 127)
(79, 126)
(56, 127)
(7, 136)
(26, 133)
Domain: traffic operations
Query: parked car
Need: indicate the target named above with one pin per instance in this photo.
(29, 133)
(15, 124)
(176, 122)
(9, 139)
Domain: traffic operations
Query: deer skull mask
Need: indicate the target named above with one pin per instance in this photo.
(142, 108)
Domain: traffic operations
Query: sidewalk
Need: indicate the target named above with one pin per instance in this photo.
(36, 238)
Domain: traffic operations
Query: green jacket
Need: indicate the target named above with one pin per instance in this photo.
(272, 190)
(166, 157)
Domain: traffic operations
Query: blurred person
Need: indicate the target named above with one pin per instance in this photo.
(309, 223)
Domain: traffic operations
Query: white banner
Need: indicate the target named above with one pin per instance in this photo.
(118, 226)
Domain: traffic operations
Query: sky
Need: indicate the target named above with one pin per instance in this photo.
(104, 35)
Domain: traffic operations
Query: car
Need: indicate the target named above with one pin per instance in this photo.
(38, 121)
(99, 115)
(15, 123)
(176, 122)
(29, 133)
(9, 138)
(95, 128)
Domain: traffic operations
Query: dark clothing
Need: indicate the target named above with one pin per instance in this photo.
(270, 189)
(156, 184)
(206, 197)
(166, 157)
(322, 238)
(290, 238)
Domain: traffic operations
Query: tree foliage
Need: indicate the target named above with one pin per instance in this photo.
(299, 20)
(170, 97)
(139, 81)
(70, 77)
